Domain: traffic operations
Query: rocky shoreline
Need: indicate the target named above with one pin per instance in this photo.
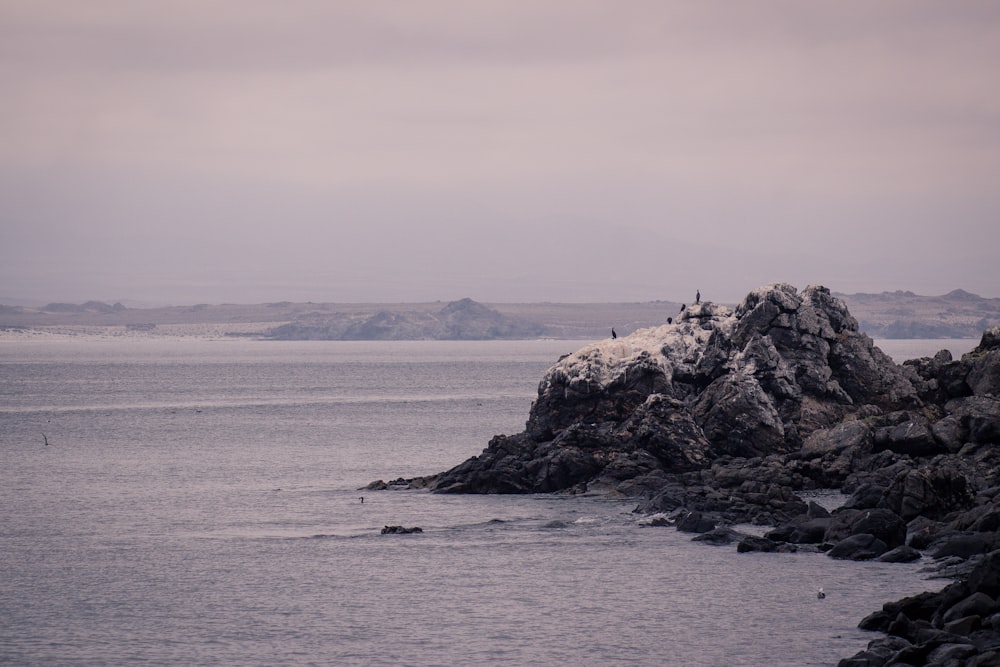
(722, 417)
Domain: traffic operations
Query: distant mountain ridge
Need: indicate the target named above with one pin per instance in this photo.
(464, 319)
(957, 314)
(899, 314)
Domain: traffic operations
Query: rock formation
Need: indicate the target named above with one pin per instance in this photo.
(685, 397)
(726, 416)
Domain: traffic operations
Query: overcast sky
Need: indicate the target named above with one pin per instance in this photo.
(538, 150)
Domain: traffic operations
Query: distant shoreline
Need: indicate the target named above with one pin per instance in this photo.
(889, 315)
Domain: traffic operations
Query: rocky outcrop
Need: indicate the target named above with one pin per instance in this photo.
(715, 385)
(727, 416)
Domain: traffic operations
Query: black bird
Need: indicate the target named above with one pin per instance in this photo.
(697, 296)
(45, 439)
(683, 306)
(670, 320)
(613, 334)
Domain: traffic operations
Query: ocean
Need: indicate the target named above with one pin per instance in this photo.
(171, 500)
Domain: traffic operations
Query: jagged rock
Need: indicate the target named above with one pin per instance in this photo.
(983, 377)
(930, 492)
(753, 382)
(912, 437)
(852, 434)
(739, 418)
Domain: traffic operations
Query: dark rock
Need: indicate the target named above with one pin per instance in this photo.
(977, 604)
(912, 437)
(754, 543)
(964, 545)
(930, 492)
(963, 626)
(863, 546)
(718, 536)
(954, 654)
(878, 653)
(921, 532)
(983, 362)
(971, 419)
(883, 524)
(816, 511)
(401, 530)
(851, 434)
(901, 554)
(989, 658)
(695, 522)
(985, 578)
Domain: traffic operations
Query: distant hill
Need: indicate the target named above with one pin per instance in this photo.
(957, 314)
(459, 320)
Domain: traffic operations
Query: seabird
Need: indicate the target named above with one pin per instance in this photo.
(820, 594)
(697, 296)
(613, 334)
(45, 439)
(670, 320)
(362, 500)
(683, 306)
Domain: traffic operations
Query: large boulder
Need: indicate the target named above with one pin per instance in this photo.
(931, 492)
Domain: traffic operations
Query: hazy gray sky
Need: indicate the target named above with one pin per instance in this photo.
(505, 150)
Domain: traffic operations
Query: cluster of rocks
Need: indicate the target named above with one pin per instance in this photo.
(728, 416)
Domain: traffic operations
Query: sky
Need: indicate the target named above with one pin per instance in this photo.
(241, 151)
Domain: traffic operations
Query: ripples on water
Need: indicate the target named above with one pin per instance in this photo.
(199, 505)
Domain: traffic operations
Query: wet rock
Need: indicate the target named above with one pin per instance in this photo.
(696, 522)
(718, 536)
(401, 530)
(754, 543)
(901, 554)
(863, 546)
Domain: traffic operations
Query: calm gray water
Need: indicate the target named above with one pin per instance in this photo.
(198, 503)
